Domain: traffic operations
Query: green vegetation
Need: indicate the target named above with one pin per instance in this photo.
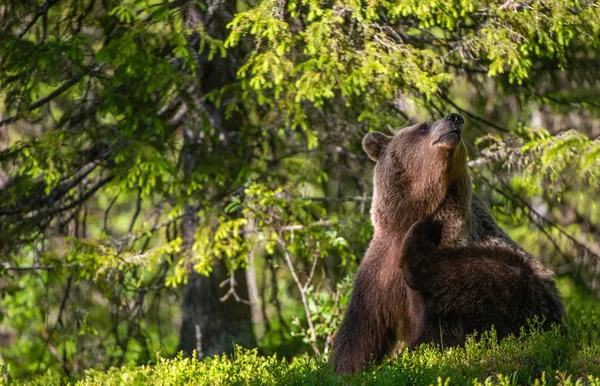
(535, 357)
(178, 175)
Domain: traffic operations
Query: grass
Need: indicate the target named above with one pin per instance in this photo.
(536, 357)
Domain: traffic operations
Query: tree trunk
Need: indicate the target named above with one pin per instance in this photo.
(208, 324)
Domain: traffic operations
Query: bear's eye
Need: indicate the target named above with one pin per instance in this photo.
(423, 129)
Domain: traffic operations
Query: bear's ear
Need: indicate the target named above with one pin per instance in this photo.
(374, 143)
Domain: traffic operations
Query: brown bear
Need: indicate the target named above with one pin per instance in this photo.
(464, 289)
(420, 172)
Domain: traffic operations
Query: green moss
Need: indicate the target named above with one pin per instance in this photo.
(535, 357)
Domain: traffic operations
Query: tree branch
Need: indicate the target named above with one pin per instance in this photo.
(44, 10)
(40, 102)
(474, 116)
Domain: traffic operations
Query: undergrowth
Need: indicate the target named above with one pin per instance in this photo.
(535, 357)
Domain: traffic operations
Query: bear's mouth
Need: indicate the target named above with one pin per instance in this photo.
(449, 138)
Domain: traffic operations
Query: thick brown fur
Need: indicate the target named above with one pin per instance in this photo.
(464, 289)
(420, 172)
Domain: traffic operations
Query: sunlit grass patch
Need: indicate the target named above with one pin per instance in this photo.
(535, 357)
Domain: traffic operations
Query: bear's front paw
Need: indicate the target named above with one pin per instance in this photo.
(418, 250)
(425, 233)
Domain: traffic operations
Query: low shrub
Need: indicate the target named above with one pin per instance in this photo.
(535, 357)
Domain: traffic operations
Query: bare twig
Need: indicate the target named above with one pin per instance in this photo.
(4, 369)
(301, 288)
(36, 17)
(199, 354)
(231, 292)
(107, 211)
(340, 199)
(54, 351)
(138, 208)
(45, 21)
(39, 267)
(287, 228)
(312, 272)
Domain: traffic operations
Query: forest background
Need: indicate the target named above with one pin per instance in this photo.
(183, 175)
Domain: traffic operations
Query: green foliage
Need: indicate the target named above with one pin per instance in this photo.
(536, 357)
(568, 160)
(370, 68)
(570, 153)
(350, 50)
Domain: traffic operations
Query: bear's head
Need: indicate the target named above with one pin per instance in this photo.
(420, 171)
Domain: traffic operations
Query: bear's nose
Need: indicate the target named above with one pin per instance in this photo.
(455, 118)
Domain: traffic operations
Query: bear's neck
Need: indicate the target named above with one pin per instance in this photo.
(452, 207)
(454, 212)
